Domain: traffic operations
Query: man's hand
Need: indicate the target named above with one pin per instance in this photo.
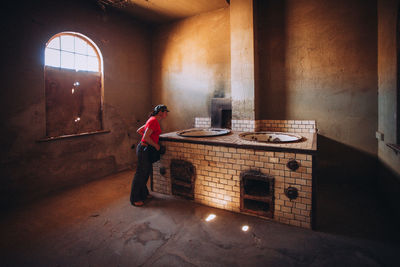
(141, 130)
(148, 140)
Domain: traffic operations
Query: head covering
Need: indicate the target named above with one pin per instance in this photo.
(161, 108)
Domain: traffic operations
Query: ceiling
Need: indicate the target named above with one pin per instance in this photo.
(161, 11)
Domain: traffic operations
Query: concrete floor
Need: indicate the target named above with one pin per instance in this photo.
(95, 225)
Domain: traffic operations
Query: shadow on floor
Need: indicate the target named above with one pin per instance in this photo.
(95, 225)
(348, 201)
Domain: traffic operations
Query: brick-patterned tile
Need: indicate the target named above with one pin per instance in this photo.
(218, 177)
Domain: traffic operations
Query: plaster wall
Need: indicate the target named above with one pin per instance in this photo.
(389, 171)
(191, 65)
(242, 59)
(388, 81)
(29, 168)
(318, 60)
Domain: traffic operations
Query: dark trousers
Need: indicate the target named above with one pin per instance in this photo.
(139, 191)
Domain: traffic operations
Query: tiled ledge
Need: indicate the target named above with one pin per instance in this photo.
(294, 126)
(308, 145)
(244, 125)
(202, 122)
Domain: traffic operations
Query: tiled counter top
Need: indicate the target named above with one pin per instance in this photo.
(308, 146)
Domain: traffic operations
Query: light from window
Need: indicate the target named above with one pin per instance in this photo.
(71, 52)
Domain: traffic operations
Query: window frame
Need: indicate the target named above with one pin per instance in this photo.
(85, 39)
(101, 73)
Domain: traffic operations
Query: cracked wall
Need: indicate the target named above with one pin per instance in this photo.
(29, 168)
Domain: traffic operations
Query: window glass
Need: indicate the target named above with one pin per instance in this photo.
(80, 46)
(91, 52)
(80, 62)
(55, 43)
(70, 51)
(93, 64)
(52, 58)
(67, 43)
(67, 60)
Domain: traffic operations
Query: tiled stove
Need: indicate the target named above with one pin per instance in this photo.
(280, 186)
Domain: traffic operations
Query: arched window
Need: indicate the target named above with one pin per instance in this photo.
(73, 84)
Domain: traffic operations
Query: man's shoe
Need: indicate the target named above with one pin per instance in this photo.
(138, 203)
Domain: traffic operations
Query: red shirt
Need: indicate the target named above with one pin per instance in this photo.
(153, 124)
